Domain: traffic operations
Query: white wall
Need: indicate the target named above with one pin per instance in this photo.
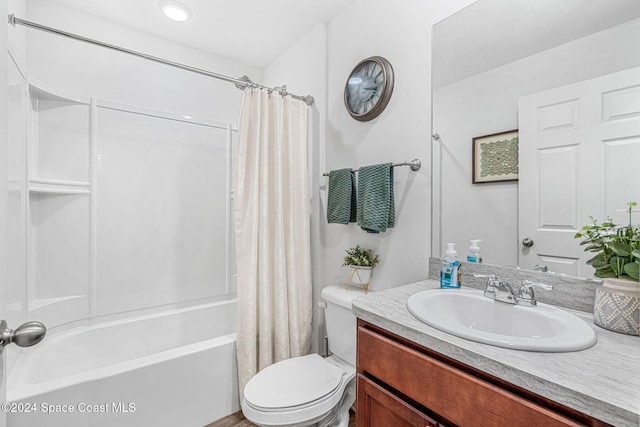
(318, 64)
(402, 34)
(488, 103)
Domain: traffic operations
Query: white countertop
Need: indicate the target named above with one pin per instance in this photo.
(602, 381)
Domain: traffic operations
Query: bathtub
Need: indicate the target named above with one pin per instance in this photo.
(175, 368)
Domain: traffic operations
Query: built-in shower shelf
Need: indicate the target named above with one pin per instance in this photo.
(54, 186)
(41, 91)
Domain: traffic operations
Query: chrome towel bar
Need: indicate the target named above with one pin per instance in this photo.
(414, 164)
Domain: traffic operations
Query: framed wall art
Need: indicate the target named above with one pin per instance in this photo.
(495, 157)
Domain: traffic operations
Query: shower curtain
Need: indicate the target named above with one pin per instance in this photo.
(272, 227)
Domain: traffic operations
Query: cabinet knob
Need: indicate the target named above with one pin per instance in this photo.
(527, 242)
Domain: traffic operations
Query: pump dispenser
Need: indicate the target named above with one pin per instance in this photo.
(449, 274)
(474, 252)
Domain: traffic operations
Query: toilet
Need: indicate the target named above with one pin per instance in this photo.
(311, 390)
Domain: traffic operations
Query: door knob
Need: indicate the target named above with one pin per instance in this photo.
(26, 335)
(527, 242)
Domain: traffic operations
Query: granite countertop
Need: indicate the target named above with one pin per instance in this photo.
(602, 381)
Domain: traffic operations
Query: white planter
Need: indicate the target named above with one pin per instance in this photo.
(617, 306)
(360, 276)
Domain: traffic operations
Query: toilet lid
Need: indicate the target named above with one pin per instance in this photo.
(292, 382)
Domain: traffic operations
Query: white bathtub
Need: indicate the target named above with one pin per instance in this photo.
(175, 368)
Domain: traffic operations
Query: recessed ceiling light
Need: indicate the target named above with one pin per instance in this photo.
(175, 10)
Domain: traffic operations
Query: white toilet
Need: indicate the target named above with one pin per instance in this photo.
(311, 390)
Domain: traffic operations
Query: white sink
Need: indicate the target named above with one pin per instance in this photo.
(468, 314)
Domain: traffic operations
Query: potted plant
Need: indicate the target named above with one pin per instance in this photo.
(617, 261)
(361, 262)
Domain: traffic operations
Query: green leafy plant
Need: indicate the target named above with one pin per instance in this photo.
(360, 257)
(617, 247)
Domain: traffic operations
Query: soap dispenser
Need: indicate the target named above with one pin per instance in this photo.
(450, 272)
(474, 251)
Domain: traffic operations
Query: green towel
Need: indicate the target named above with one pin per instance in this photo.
(376, 207)
(341, 201)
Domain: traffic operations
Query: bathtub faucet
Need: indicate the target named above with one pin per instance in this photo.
(26, 335)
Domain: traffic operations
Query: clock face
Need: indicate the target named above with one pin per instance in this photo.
(369, 88)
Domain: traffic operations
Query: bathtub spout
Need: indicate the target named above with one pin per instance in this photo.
(26, 335)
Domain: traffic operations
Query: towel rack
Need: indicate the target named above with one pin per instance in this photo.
(414, 164)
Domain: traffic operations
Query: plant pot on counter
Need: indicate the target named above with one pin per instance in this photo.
(617, 306)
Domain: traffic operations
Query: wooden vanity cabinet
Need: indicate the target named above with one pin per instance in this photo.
(401, 383)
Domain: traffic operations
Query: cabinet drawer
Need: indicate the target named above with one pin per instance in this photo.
(379, 408)
(457, 396)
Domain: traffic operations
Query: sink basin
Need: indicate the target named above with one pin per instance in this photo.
(468, 314)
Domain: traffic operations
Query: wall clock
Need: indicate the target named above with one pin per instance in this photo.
(368, 88)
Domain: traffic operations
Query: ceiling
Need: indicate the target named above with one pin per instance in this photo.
(491, 33)
(252, 32)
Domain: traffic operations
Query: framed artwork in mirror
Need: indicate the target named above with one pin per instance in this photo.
(495, 157)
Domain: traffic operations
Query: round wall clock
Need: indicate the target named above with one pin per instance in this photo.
(368, 88)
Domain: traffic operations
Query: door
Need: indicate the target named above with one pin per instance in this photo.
(579, 157)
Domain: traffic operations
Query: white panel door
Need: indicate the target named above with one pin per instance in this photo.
(579, 157)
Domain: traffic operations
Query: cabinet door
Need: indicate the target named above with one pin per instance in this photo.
(379, 408)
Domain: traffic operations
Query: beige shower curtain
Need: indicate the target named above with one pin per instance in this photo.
(272, 231)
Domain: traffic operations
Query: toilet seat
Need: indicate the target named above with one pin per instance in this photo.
(293, 383)
(296, 390)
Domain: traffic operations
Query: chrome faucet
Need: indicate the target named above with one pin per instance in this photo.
(502, 291)
(526, 296)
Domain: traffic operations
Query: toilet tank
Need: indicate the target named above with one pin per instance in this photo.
(340, 321)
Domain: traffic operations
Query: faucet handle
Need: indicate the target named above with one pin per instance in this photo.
(528, 284)
(526, 296)
(541, 268)
(490, 286)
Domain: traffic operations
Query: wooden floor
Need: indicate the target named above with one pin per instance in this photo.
(238, 420)
(233, 420)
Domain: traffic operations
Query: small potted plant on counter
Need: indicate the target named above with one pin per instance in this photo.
(617, 261)
(361, 262)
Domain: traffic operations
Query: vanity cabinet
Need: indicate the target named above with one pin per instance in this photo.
(401, 383)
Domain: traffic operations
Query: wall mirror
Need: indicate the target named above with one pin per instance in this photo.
(501, 65)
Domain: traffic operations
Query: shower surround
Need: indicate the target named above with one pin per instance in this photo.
(120, 202)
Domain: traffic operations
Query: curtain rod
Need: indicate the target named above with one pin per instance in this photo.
(240, 82)
(414, 164)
